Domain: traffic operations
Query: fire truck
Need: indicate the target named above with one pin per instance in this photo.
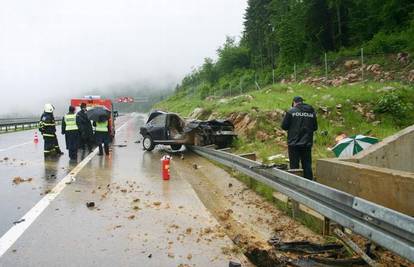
(97, 101)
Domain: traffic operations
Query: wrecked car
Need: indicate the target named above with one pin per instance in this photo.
(170, 129)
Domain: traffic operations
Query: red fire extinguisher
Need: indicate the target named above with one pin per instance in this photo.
(166, 167)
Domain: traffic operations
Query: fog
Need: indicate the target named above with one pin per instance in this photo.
(53, 50)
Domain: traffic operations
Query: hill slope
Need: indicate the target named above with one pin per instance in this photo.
(375, 109)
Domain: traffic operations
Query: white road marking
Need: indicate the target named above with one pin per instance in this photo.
(15, 146)
(11, 236)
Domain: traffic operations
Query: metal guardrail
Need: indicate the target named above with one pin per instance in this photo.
(7, 125)
(384, 226)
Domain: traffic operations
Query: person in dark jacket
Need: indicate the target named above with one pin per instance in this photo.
(102, 131)
(85, 128)
(70, 129)
(47, 127)
(300, 122)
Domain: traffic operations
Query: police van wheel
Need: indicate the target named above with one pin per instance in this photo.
(148, 143)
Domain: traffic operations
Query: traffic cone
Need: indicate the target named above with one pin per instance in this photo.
(36, 138)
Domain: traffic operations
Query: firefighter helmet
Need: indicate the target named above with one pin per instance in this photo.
(49, 108)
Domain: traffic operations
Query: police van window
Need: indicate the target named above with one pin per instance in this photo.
(159, 121)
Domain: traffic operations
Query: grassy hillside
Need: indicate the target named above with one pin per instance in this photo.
(376, 109)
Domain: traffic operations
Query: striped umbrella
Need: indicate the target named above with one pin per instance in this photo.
(351, 145)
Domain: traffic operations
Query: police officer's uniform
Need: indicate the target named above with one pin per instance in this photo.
(300, 122)
(102, 135)
(71, 131)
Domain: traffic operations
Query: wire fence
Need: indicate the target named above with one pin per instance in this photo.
(329, 69)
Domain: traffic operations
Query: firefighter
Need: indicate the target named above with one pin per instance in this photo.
(47, 127)
(102, 131)
(85, 128)
(300, 123)
(70, 129)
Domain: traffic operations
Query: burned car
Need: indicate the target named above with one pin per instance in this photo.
(170, 129)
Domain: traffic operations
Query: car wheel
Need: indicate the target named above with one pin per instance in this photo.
(176, 146)
(148, 143)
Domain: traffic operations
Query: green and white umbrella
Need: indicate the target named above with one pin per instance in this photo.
(351, 145)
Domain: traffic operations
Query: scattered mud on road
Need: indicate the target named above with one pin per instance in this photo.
(245, 216)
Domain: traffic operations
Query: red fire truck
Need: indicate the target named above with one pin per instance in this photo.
(96, 101)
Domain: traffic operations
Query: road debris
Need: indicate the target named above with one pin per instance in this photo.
(119, 145)
(234, 264)
(17, 180)
(19, 221)
(90, 204)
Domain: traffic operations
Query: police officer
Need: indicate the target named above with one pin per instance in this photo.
(102, 134)
(71, 131)
(300, 122)
(85, 128)
(47, 127)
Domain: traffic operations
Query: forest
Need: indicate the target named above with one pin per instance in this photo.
(281, 33)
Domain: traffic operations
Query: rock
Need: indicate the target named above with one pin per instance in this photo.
(375, 123)
(326, 97)
(349, 64)
(275, 115)
(375, 68)
(278, 156)
(386, 89)
(403, 58)
(351, 77)
(338, 81)
(198, 113)
(213, 116)
(411, 76)
(262, 136)
(324, 109)
(223, 101)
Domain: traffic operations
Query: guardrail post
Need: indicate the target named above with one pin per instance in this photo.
(326, 227)
(295, 208)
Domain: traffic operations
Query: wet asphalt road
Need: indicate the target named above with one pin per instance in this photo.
(138, 220)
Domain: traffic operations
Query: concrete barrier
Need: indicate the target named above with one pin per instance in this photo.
(383, 173)
(390, 188)
(395, 152)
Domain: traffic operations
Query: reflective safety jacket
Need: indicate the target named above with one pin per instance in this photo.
(101, 126)
(69, 123)
(47, 125)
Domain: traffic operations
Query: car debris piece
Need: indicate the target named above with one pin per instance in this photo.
(234, 264)
(90, 204)
(19, 221)
(304, 246)
(355, 247)
(270, 166)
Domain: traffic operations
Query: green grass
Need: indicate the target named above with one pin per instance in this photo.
(279, 96)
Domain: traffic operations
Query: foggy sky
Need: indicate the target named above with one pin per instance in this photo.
(52, 50)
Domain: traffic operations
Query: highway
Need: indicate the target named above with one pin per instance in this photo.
(138, 219)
